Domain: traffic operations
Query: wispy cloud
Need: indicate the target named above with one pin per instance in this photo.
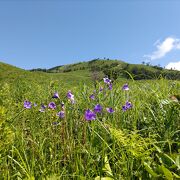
(173, 65)
(162, 48)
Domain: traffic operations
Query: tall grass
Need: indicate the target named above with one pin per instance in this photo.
(140, 143)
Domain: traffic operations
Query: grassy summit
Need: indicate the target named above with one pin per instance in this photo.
(116, 69)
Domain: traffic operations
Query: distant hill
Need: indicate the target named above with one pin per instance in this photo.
(87, 72)
(17, 76)
(116, 69)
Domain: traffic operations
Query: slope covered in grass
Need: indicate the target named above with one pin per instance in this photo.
(14, 76)
(141, 141)
(78, 135)
(117, 69)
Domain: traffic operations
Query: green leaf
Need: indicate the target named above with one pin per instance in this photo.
(107, 167)
(177, 176)
(167, 173)
(172, 160)
(150, 170)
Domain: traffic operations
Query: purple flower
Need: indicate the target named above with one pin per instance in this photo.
(61, 114)
(101, 89)
(124, 108)
(35, 104)
(107, 81)
(52, 105)
(43, 107)
(92, 96)
(55, 123)
(127, 106)
(89, 115)
(70, 96)
(98, 108)
(56, 95)
(125, 87)
(110, 110)
(110, 86)
(27, 104)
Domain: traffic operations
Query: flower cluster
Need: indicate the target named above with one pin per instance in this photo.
(127, 106)
(51, 105)
(89, 114)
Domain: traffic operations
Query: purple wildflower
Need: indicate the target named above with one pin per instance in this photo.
(127, 106)
(110, 110)
(43, 107)
(92, 96)
(107, 80)
(98, 108)
(70, 96)
(61, 114)
(101, 89)
(56, 95)
(110, 86)
(27, 104)
(90, 115)
(52, 105)
(125, 87)
(35, 104)
(124, 108)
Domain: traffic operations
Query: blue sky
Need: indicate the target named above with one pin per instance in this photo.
(47, 33)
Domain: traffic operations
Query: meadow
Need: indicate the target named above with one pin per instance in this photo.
(63, 126)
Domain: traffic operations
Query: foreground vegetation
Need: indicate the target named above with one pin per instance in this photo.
(77, 136)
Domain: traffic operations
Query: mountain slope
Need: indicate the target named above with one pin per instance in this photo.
(16, 76)
(117, 69)
(85, 72)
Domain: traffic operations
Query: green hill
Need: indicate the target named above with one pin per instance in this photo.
(16, 76)
(85, 72)
(116, 69)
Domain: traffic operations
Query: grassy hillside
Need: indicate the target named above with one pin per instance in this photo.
(93, 132)
(117, 69)
(14, 75)
(84, 72)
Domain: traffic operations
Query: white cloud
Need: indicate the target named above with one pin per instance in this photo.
(163, 48)
(173, 65)
(178, 46)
